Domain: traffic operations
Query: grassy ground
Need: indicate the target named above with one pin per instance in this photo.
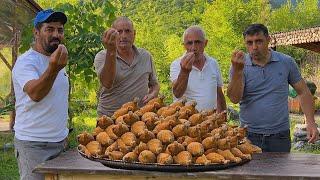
(85, 121)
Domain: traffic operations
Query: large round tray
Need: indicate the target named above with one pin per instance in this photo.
(118, 164)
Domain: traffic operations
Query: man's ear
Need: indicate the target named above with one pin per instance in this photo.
(205, 42)
(35, 32)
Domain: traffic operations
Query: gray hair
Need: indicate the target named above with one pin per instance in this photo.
(194, 28)
(122, 18)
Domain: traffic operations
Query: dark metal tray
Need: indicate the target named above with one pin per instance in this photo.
(118, 164)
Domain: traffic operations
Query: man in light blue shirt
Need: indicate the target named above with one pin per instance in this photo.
(260, 82)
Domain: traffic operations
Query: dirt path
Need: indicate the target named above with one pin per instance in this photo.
(4, 125)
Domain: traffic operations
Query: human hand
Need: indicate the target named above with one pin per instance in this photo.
(148, 97)
(187, 62)
(109, 39)
(59, 58)
(237, 61)
(312, 132)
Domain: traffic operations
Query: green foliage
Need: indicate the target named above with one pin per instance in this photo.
(8, 162)
(224, 21)
(5, 74)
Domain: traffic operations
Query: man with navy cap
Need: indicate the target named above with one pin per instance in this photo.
(41, 90)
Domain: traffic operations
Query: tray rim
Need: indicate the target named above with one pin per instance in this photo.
(119, 164)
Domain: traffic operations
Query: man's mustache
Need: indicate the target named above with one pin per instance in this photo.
(54, 39)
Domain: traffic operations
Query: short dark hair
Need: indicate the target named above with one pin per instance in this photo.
(253, 29)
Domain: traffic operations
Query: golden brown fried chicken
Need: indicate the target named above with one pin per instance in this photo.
(202, 160)
(164, 158)
(146, 136)
(173, 119)
(183, 158)
(228, 155)
(129, 139)
(195, 148)
(84, 138)
(94, 147)
(84, 150)
(121, 112)
(197, 118)
(138, 128)
(151, 122)
(236, 152)
(216, 158)
(148, 108)
(115, 155)
(210, 112)
(132, 104)
(111, 133)
(158, 100)
(130, 157)
(170, 111)
(210, 142)
(104, 139)
(120, 129)
(191, 106)
(147, 156)
(148, 115)
(174, 148)
(141, 147)
(165, 136)
(123, 147)
(155, 146)
(186, 140)
(224, 143)
(112, 147)
(130, 118)
(162, 125)
(104, 121)
(180, 130)
(184, 114)
(233, 141)
(208, 151)
(241, 132)
(96, 131)
(194, 131)
(248, 148)
(179, 103)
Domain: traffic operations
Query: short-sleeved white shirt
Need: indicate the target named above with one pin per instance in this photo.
(46, 120)
(202, 85)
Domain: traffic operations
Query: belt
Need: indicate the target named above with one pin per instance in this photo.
(269, 135)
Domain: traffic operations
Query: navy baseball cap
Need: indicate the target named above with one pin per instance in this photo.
(49, 14)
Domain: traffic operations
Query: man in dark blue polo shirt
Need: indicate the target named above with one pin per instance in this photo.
(260, 82)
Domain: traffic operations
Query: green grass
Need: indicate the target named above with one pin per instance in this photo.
(5, 73)
(8, 163)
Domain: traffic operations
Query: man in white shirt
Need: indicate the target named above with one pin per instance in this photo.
(41, 91)
(197, 76)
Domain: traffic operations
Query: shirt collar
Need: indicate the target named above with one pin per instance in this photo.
(273, 58)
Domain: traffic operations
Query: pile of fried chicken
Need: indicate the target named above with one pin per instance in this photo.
(173, 134)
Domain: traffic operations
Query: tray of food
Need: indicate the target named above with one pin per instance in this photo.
(169, 138)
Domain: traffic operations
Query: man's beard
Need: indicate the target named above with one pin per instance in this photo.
(51, 48)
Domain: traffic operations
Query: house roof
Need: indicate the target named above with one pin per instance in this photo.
(15, 13)
(308, 38)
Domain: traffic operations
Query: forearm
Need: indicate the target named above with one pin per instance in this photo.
(221, 101)
(39, 88)
(108, 72)
(180, 85)
(235, 87)
(307, 106)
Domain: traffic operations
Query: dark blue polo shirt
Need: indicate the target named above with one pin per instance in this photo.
(264, 105)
